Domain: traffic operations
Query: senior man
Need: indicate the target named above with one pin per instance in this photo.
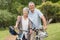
(35, 15)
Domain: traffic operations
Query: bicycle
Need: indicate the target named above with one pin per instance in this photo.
(20, 35)
(40, 33)
(13, 32)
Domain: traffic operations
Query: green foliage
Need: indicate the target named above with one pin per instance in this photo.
(19, 9)
(50, 10)
(3, 4)
(25, 2)
(53, 0)
(11, 5)
(14, 7)
(6, 18)
(58, 2)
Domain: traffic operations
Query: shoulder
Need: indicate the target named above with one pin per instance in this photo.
(37, 10)
(18, 17)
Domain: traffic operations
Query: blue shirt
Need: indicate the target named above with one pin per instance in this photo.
(35, 18)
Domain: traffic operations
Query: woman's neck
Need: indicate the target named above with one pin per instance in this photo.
(25, 17)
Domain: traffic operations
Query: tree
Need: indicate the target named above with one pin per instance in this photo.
(54, 1)
(3, 4)
(43, 0)
(7, 18)
(50, 10)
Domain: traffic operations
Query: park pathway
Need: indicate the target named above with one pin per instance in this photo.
(10, 37)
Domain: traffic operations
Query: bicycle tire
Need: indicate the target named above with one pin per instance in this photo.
(18, 39)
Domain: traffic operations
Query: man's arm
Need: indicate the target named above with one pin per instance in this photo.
(44, 22)
(43, 19)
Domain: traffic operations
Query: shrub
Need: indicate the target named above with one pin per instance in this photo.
(14, 7)
(19, 9)
(7, 18)
(54, 1)
(50, 10)
(58, 2)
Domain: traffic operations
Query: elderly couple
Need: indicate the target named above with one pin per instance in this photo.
(31, 19)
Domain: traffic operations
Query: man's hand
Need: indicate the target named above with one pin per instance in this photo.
(44, 22)
(45, 27)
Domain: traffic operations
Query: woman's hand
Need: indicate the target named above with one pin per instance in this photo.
(15, 26)
(30, 31)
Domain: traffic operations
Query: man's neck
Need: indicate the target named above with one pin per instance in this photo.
(32, 11)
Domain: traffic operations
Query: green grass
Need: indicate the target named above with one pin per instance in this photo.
(53, 32)
(3, 33)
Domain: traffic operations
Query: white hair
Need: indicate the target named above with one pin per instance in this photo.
(26, 8)
(31, 3)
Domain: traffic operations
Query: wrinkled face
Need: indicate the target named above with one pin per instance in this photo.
(25, 13)
(31, 6)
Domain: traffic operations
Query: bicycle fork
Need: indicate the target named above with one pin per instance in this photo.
(37, 37)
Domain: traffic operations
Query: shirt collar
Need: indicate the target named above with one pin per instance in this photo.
(31, 12)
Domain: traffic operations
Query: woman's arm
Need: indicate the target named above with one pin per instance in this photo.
(30, 23)
(17, 22)
(30, 27)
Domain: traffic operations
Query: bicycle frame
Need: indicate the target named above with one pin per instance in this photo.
(37, 34)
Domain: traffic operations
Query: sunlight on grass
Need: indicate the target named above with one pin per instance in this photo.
(53, 32)
(3, 34)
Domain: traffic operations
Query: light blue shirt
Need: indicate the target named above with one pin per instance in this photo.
(35, 18)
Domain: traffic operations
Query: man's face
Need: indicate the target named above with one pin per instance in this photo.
(31, 6)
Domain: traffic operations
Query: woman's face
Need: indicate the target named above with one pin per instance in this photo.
(25, 13)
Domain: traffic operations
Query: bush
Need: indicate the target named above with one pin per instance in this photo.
(7, 18)
(11, 5)
(3, 4)
(19, 9)
(58, 2)
(54, 1)
(14, 6)
(25, 2)
(50, 10)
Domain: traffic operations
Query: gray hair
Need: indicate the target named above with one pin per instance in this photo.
(31, 3)
(26, 8)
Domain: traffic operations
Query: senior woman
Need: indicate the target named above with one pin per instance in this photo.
(25, 24)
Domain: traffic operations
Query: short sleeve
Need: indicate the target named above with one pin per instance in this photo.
(18, 19)
(39, 13)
